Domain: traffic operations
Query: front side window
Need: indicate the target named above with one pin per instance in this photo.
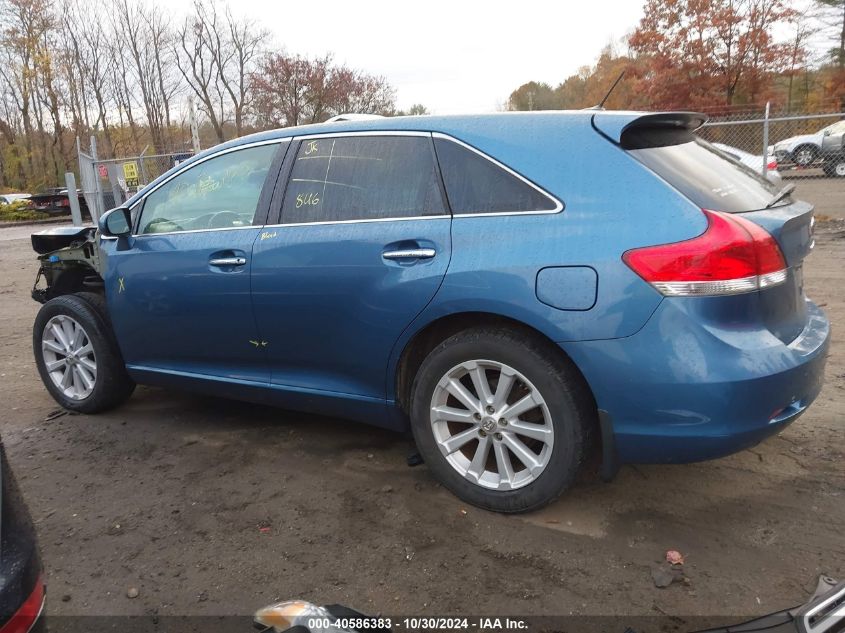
(475, 184)
(221, 192)
(362, 177)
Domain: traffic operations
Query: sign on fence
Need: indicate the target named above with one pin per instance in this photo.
(130, 173)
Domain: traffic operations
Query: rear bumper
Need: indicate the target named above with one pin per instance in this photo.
(29, 617)
(22, 595)
(684, 390)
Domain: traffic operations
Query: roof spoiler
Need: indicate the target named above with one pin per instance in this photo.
(616, 125)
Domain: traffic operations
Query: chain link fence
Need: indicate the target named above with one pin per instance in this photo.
(793, 146)
(108, 183)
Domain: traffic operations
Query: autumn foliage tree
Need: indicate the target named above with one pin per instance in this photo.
(587, 87)
(710, 52)
(294, 90)
(713, 55)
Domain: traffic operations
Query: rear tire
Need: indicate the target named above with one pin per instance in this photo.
(835, 168)
(490, 468)
(77, 355)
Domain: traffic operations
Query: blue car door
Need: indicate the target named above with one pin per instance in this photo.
(362, 246)
(178, 289)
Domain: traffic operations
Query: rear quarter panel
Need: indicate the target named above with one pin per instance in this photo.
(612, 204)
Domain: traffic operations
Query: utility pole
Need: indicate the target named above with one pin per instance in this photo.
(195, 134)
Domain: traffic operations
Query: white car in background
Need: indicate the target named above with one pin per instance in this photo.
(9, 198)
(752, 161)
(805, 149)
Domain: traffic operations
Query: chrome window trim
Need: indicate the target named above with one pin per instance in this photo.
(558, 204)
(224, 228)
(187, 168)
(307, 137)
(442, 216)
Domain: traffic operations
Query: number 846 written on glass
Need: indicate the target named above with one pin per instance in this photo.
(307, 199)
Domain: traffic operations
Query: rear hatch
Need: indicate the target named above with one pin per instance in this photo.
(668, 146)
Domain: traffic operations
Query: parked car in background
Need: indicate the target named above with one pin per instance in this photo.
(805, 149)
(834, 165)
(9, 198)
(57, 202)
(508, 286)
(754, 162)
(21, 580)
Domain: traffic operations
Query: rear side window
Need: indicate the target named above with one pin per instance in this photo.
(705, 175)
(362, 177)
(475, 184)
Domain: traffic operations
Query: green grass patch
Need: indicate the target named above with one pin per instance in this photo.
(18, 212)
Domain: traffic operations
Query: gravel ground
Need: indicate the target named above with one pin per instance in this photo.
(828, 194)
(214, 507)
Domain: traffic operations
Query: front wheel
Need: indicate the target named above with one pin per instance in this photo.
(77, 356)
(501, 419)
(805, 155)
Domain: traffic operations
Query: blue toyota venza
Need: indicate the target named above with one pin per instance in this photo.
(514, 288)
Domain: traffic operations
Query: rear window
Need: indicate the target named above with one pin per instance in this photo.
(475, 184)
(706, 176)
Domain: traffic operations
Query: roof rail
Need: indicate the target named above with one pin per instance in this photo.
(353, 116)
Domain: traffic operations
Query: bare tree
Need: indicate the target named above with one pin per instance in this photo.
(797, 51)
(25, 24)
(236, 54)
(198, 65)
(216, 54)
(48, 88)
(143, 33)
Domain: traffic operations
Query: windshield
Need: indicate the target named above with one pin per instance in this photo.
(836, 128)
(708, 177)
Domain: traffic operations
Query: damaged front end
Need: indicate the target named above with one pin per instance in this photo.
(70, 262)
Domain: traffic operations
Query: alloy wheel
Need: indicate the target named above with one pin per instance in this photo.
(492, 424)
(804, 157)
(69, 357)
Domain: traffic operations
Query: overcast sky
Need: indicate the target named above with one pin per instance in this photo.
(450, 55)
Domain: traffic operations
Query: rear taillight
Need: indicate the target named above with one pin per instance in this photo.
(732, 256)
(772, 165)
(27, 614)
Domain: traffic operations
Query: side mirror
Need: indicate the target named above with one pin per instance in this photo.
(827, 133)
(116, 223)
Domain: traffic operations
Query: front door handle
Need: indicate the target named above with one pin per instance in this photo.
(410, 253)
(228, 261)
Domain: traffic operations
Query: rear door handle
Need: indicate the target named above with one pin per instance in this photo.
(411, 253)
(228, 261)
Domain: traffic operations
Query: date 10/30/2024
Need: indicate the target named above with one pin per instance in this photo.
(420, 624)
